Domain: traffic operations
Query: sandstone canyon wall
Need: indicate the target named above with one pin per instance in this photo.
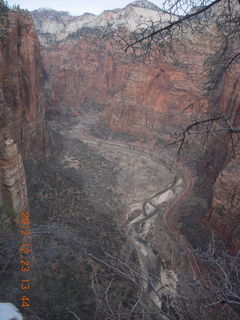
(22, 106)
(86, 72)
(224, 215)
(13, 189)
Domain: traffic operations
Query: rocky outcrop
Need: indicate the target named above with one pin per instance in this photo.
(144, 4)
(13, 189)
(22, 106)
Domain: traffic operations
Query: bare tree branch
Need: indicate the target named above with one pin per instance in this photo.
(74, 314)
(173, 24)
(193, 299)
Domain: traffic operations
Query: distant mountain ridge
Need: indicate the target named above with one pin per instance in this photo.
(53, 26)
(145, 5)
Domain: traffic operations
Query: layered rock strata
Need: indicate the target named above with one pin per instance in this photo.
(13, 189)
(22, 106)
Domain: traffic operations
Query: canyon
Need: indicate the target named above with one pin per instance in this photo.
(92, 124)
(119, 97)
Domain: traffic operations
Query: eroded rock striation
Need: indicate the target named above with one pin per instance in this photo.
(13, 189)
(22, 106)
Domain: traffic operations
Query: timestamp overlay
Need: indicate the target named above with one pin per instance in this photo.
(25, 259)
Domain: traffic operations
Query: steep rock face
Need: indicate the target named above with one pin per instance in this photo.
(224, 216)
(134, 98)
(131, 98)
(22, 106)
(13, 189)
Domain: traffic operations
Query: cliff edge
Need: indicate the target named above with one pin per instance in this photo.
(22, 106)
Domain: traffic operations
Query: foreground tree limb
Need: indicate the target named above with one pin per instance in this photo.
(173, 24)
(211, 124)
(193, 299)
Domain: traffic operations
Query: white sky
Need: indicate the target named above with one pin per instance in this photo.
(75, 6)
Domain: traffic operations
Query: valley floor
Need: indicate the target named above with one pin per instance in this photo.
(95, 195)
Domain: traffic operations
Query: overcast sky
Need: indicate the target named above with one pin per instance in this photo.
(74, 6)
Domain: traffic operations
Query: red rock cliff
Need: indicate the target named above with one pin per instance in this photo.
(22, 108)
(137, 99)
(224, 216)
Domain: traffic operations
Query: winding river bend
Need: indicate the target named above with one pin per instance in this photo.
(161, 203)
